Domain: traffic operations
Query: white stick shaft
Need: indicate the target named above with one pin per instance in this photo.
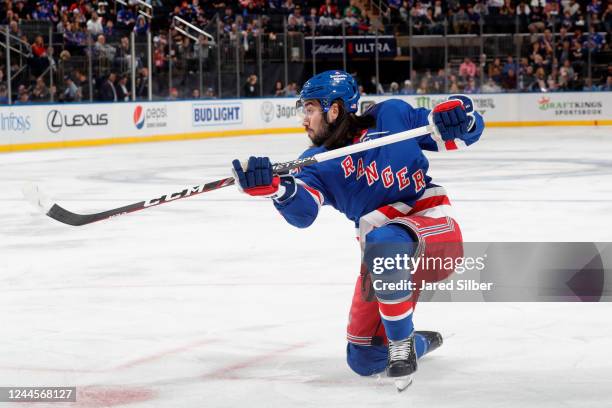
(371, 144)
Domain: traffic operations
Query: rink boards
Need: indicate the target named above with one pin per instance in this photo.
(44, 126)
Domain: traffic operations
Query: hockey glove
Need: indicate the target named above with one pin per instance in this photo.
(452, 119)
(258, 180)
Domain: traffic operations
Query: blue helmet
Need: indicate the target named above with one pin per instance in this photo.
(329, 86)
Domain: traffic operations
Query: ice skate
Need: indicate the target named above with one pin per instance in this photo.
(402, 362)
(434, 339)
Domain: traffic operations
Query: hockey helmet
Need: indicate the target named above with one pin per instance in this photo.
(329, 86)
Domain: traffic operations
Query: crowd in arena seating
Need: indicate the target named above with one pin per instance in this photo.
(567, 37)
(470, 17)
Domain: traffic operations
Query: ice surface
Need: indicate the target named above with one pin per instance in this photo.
(214, 301)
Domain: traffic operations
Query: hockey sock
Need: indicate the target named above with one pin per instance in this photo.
(388, 255)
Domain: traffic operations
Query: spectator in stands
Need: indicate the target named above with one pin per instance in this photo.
(39, 60)
(109, 28)
(195, 93)
(470, 86)
(351, 22)
(299, 18)
(209, 93)
(527, 78)
(326, 24)
(507, 9)
(567, 70)
(407, 88)
(394, 88)
(607, 87)
(142, 26)
(41, 12)
(102, 9)
(539, 85)
(279, 89)
(467, 69)
(338, 20)
(461, 22)
(394, 10)
(126, 18)
(292, 89)
(82, 83)
(509, 65)
(523, 14)
(423, 87)
(427, 22)
(94, 25)
(173, 94)
(594, 41)
(438, 81)
(288, 7)
(3, 95)
(509, 80)
(474, 17)
(8, 17)
(312, 20)
(607, 18)
(568, 20)
(328, 7)
(494, 6)
(453, 85)
(122, 54)
(40, 93)
(571, 7)
(374, 88)
(123, 94)
(536, 20)
(23, 97)
(21, 11)
(38, 47)
(251, 88)
(490, 86)
(70, 90)
(275, 6)
(354, 9)
(102, 50)
(142, 83)
(108, 91)
(590, 87)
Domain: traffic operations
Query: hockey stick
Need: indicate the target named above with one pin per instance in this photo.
(33, 194)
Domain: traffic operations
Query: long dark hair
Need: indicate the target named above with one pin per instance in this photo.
(346, 127)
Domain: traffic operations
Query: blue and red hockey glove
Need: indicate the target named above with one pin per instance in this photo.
(258, 180)
(454, 118)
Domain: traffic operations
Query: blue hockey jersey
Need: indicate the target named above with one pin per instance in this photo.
(359, 183)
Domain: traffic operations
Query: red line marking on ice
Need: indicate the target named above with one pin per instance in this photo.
(98, 397)
(226, 371)
(162, 354)
(128, 364)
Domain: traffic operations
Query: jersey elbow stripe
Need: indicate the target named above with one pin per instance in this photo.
(314, 193)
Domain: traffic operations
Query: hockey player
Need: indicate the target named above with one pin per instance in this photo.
(389, 196)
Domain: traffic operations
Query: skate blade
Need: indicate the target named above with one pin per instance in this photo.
(401, 383)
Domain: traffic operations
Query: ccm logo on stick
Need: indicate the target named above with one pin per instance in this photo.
(174, 196)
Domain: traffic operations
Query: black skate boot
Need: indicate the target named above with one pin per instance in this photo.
(434, 339)
(402, 362)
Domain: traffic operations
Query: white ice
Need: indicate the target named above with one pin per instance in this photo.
(214, 301)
